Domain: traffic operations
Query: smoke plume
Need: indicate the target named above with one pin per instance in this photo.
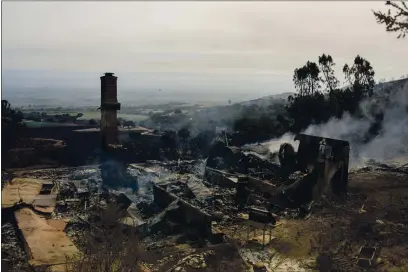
(392, 139)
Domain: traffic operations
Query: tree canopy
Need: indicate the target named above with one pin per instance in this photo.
(326, 65)
(306, 79)
(312, 104)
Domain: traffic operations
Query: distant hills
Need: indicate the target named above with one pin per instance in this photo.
(382, 88)
(267, 100)
(389, 86)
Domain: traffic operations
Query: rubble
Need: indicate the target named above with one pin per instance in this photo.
(197, 187)
(318, 163)
(45, 203)
(183, 211)
(194, 261)
(221, 178)
(192, 203)
(270, 260)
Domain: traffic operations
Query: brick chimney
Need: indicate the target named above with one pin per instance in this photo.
(109, 108)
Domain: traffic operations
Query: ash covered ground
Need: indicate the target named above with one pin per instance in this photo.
(373, 215)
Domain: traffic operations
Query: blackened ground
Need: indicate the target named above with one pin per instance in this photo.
(13, 256)
(173, 249)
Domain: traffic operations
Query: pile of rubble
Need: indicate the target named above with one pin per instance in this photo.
(200, 203)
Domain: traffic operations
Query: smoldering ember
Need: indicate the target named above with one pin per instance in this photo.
(147, 201)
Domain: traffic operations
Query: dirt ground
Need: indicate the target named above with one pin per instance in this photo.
(374, 214)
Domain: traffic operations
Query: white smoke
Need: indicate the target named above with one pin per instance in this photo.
(274, 144)
(390, 143)
(393, 141)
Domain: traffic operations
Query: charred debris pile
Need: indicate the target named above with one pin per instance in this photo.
(233, 182)
(202, 198)
(223, 200)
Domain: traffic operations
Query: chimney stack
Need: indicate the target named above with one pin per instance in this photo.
(109, 108)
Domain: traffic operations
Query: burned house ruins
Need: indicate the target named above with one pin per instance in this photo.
(300, 178)
(248, 199)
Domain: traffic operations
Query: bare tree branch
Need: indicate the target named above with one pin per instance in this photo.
(397, 21)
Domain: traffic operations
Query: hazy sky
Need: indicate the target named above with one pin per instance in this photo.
(243, 47)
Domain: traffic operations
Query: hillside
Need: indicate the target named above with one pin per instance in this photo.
(267, 100)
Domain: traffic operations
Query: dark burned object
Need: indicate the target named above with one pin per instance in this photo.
(328, 157)
(261, 216)
(220, 178)
(123, 201)
(287, 158)
(238, 160)
(318, 164)
(325, 162)
(46, 189)
(324, 263)
(366, 256)
(186, 213)
(161, 197)
(242, 192)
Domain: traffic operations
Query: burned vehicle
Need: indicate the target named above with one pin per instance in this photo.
(299, 179)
